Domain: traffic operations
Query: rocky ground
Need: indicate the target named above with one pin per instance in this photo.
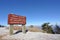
(4, 33)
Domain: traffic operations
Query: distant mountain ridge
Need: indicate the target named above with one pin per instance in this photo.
(2, 26)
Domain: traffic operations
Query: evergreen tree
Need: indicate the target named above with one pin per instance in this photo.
(57, 29)
(47, 28)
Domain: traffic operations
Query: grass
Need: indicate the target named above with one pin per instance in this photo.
(34, 29)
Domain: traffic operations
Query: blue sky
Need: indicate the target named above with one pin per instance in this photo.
(36, 11)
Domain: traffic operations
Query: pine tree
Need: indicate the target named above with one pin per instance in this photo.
(47, 28)
(57, 29)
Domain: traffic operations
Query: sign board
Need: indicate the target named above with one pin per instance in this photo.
(16, 19)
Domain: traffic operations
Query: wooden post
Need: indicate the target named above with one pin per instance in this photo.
(11, 29)
(23, 29)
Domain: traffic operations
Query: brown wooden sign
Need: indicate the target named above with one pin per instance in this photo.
(16, 19)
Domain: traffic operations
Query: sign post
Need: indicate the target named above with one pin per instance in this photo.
(24, 29)
(16, 19)
(11, 29)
